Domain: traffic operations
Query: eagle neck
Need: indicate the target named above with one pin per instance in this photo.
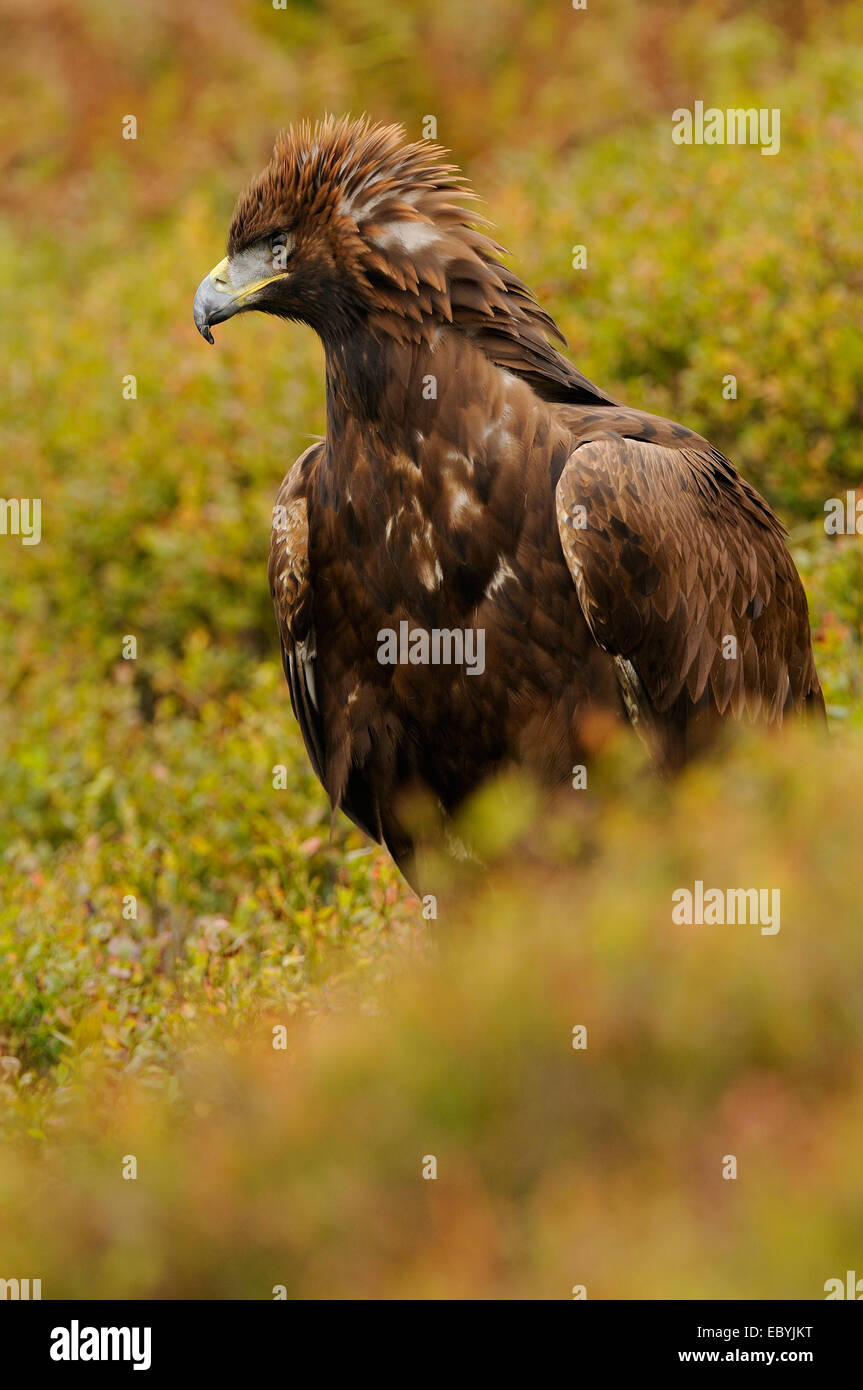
(378, 387)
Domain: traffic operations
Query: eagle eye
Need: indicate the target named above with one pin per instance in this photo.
(280, 249)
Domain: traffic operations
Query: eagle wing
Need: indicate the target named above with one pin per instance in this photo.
(292, 590)
(290, 586)
(684, 577)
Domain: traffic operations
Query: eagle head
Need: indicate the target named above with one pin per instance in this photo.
(350, 227)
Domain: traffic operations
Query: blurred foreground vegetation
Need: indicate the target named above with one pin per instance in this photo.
(152, 1035)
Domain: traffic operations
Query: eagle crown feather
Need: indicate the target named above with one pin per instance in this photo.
(374, 233)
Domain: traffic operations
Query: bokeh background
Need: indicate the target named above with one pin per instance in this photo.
(153, 1036)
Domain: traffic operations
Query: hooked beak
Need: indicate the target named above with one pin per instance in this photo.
(216, 300)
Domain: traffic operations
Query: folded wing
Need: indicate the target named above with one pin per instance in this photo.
(684, 577)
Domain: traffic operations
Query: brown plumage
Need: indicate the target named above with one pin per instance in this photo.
(471, 479)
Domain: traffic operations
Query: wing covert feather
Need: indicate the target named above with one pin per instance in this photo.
(682, 572)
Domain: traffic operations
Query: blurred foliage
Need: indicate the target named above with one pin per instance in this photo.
(154, 778)
(302, 1166)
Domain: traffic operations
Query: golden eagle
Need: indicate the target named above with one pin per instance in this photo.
(486, 552)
